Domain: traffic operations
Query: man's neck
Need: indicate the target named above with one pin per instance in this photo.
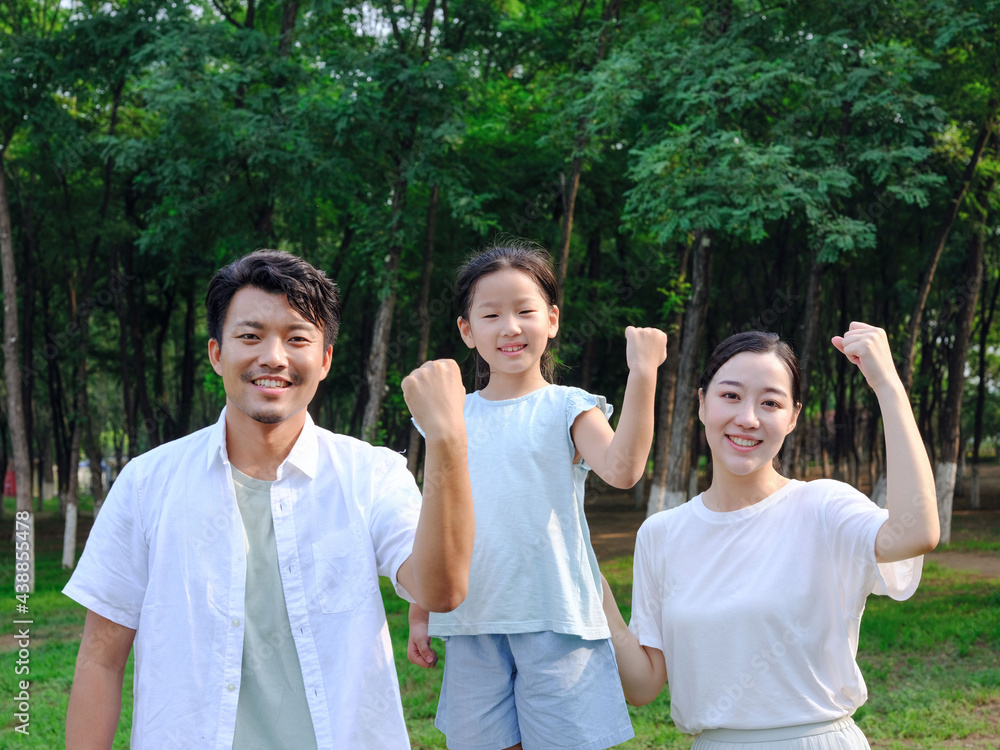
(258, 449)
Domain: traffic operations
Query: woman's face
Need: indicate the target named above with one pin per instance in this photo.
(747, 410)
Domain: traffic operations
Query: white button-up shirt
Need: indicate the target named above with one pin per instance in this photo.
(166, 558)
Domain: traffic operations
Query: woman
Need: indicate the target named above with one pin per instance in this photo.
(749, 598)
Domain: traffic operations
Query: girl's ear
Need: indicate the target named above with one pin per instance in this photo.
(466, 332)
(553, 321)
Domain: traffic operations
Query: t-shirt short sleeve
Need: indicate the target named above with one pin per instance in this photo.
(853, 522)
(647, 606)
(577, 402)
(112, 574)
(395, 512)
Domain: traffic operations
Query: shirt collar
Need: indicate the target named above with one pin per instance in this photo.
(303, 456)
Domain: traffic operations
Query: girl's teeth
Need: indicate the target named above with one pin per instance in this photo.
(744, 443)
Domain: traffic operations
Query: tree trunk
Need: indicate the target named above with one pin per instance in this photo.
(985, 323)
(124, 362)
(910, 346)
(793, 446)
(569, 192)
(71, 498)
(423, 315)
(187, 365)
(151, 428)
(667, 395)
(950, 419)
(375, 372)
(588, 330)
(24, 526)
(686, 399)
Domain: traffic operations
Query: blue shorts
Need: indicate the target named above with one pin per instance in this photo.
(545, 690)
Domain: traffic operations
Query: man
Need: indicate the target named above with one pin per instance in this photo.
(242, 560)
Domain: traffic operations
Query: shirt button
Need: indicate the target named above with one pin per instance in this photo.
(236, 622)
(230, 687)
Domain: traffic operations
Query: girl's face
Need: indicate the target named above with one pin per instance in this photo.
(747, 411)
(509, 323)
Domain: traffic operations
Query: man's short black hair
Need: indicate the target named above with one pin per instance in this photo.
(309, 291)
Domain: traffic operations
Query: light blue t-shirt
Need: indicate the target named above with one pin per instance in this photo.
(533, 567)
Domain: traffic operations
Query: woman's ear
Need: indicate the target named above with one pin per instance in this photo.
(701, 405)
(466, 332)
(795, 418)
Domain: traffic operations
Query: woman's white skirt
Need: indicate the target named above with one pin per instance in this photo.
(841, 734)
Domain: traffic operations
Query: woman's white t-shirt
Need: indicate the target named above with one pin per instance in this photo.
(757, 611)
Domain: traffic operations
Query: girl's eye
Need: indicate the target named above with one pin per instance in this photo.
(526, 312)
(772, 404)
(490, 315)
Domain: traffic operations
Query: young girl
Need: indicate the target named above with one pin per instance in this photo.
(749, 597)
(528, 656)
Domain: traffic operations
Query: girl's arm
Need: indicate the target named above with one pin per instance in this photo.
(418, 646)
(619, 457)
(642, 669)
(913, 527)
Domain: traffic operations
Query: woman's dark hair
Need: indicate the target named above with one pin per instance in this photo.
(520, 255)
(758, 342)
(309, 291)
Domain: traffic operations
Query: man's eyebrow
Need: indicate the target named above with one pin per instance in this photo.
(302, 325)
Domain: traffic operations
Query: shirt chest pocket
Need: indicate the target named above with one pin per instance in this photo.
(344, 576)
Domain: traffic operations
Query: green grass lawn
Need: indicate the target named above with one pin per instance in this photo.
(932, 663)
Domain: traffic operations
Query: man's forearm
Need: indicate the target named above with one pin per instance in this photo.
(442, 546)
(95, 704)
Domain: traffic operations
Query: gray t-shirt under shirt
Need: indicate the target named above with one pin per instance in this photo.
(272, 711)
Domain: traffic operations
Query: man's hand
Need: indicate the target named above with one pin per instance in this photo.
(435, 396)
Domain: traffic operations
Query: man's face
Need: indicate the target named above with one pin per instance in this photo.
(270, 358)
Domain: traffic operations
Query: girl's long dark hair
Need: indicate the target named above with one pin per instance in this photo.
(519, 255)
